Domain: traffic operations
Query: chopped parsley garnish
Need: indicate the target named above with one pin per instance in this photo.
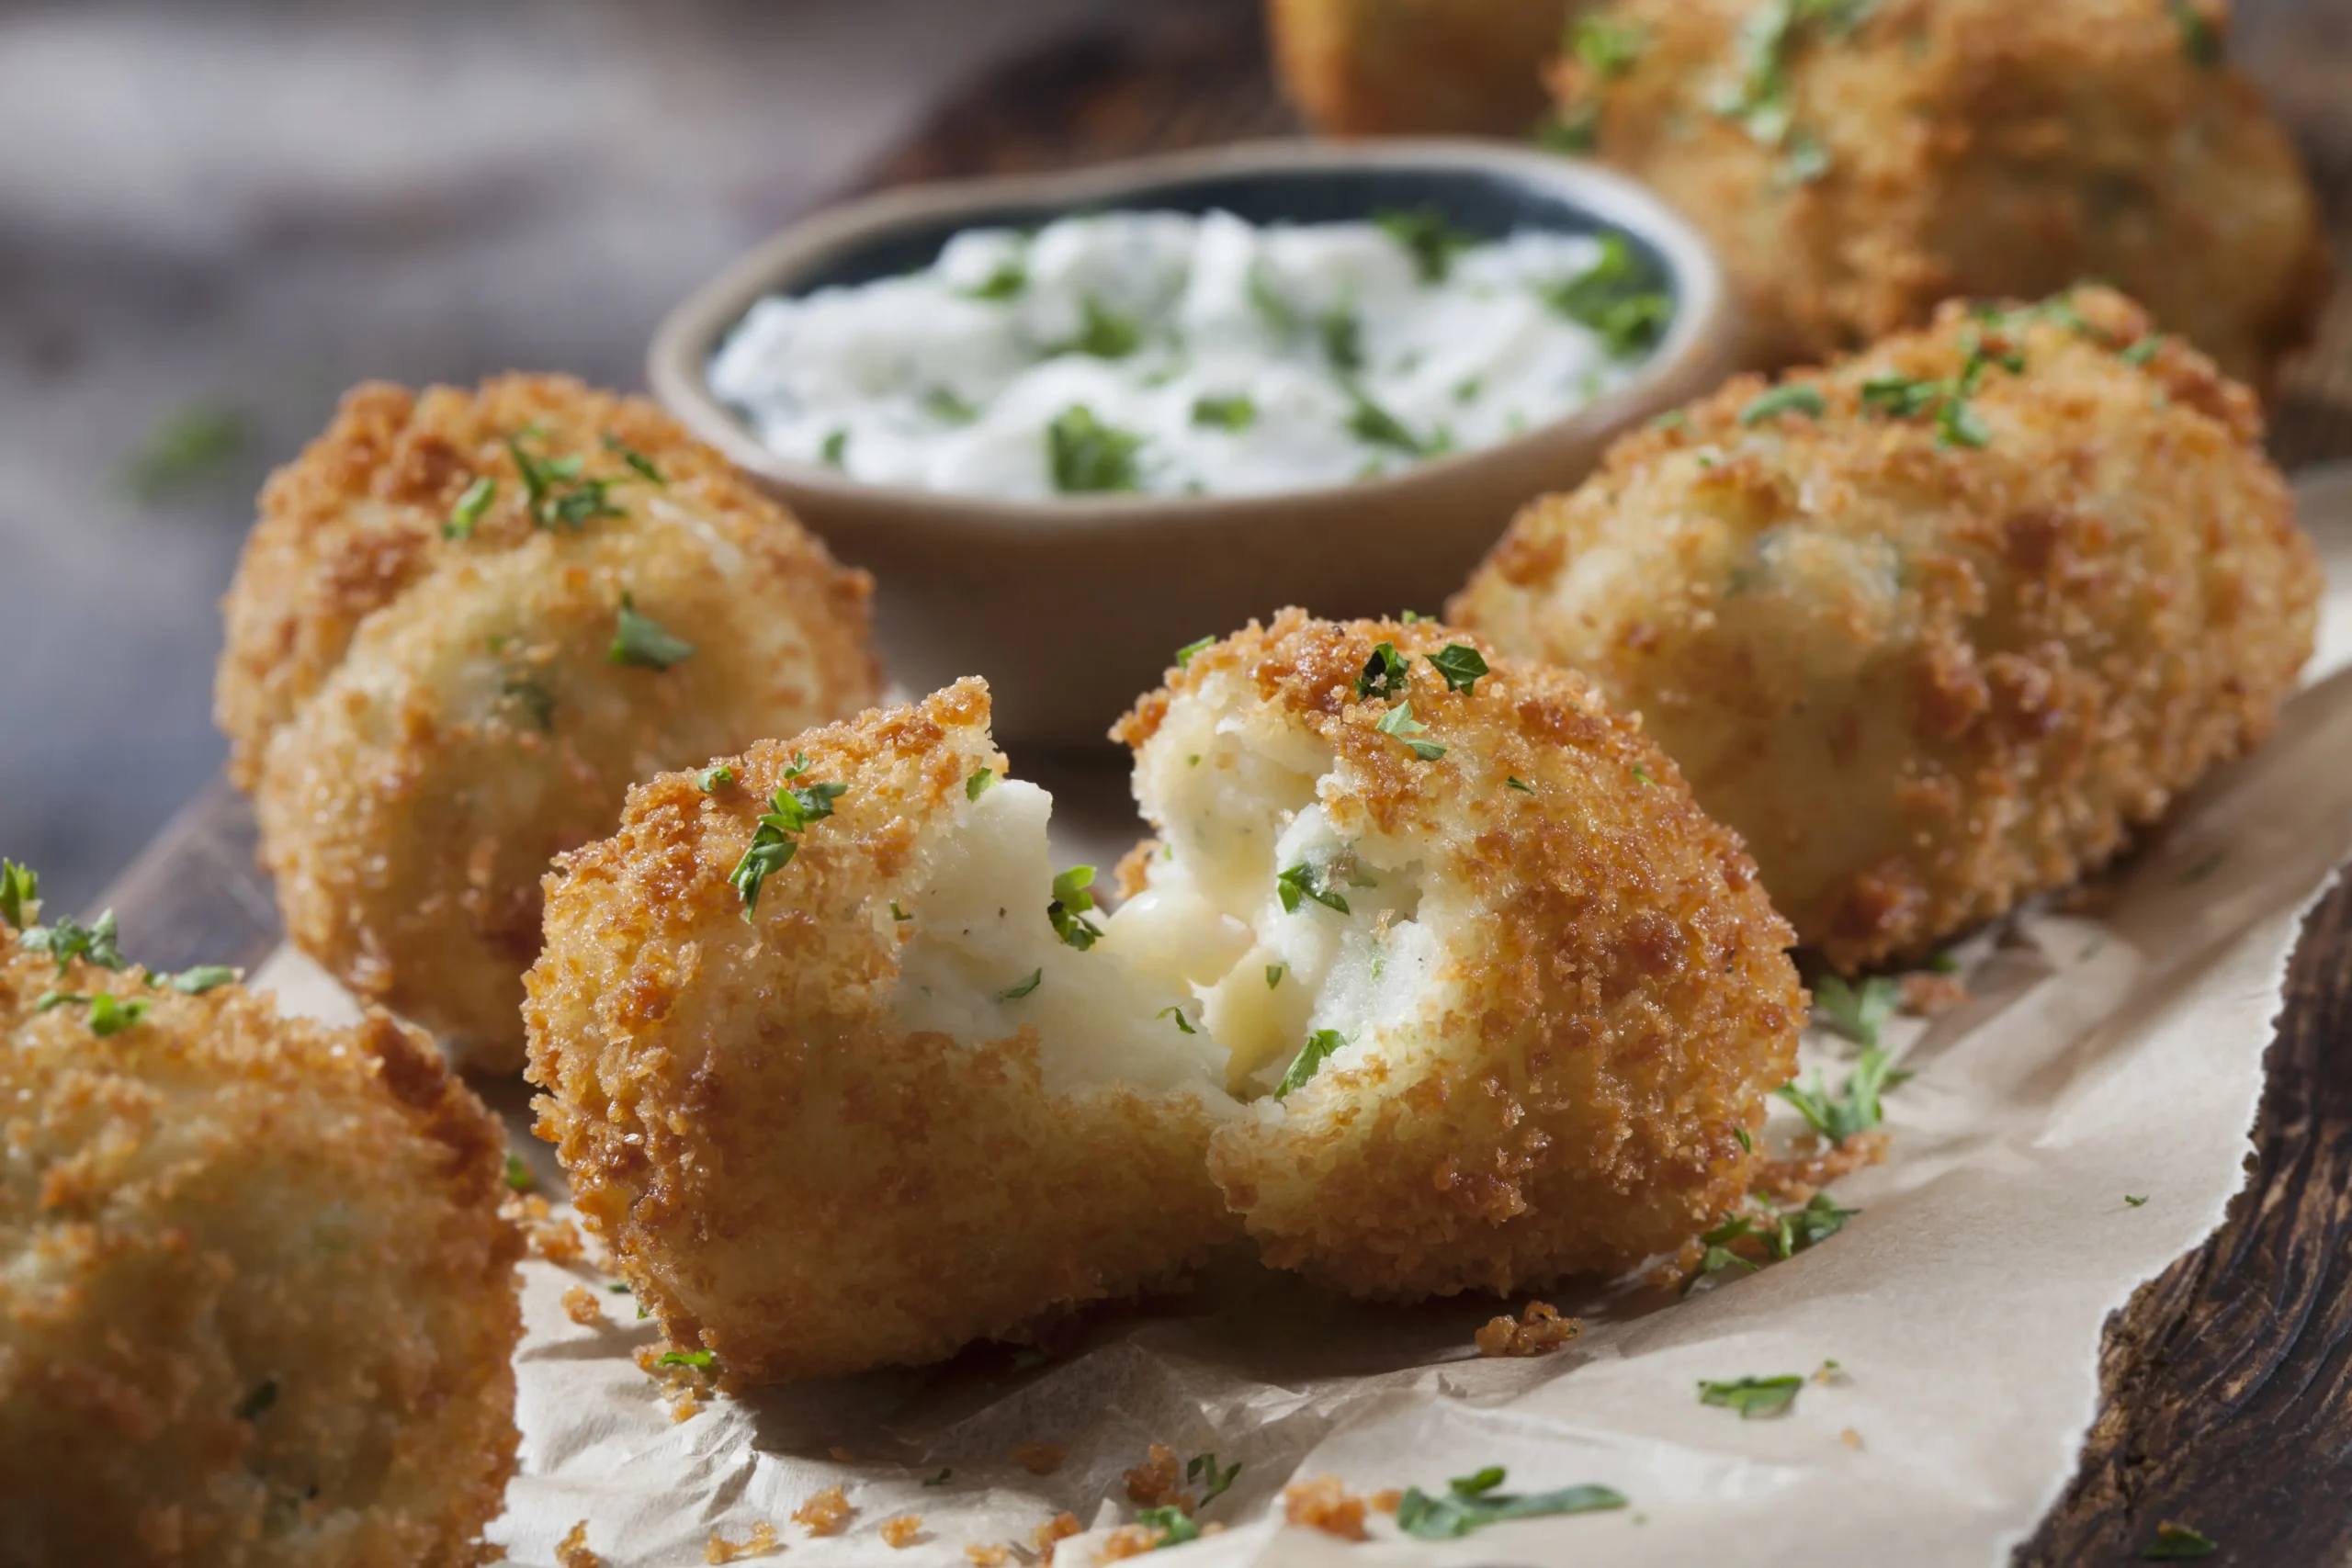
(1780, 1236)
(1107, 334)
(1855, 1110)
(19, 892)
(1342, 339)
(1277, 312)
(2200, 40)
(2135, 1202)
(1858, 1012)
(257, 1400)
(1520, 784)
(939, 1480)
(1310, 1060)
(1795, 397)
(979, 784)
(197, 981)
(643, 643)
(639, 463)
(556, 492)
(1574, 127)
(535, 699)
(943, 405)
(1089, 458)
(1746, 1139)
(836, 447)
(1427, 236)
(1461, 664)
(1375, 426)
(1607, 48)
(1014, 993)
(1399, 722)
(897, 914)
(1006, 282)
(1472, 1502)
(1183, 1024)
(1174, 1525)
(1184, 654)
(711, 780)
(2178, 1543)
(1672, 418)
(1302, 880)
(1071, 902)
(469, 508)
(189, 445)
(1617, 298)
(1236, 413)
(68, 939)
(109, 1014)
(618, 1287)
(518, 1174)
(1805, 161)
(777, 839)
(1957, 424)
(1946, 963)
(1753, 1397)
(2143, 350)
(1769, 40)
(1642, 774)
(1383, 673)
(684, 1359)
(1274, 973)
(1203, 1468)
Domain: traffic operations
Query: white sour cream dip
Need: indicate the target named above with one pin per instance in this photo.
(1166, 354)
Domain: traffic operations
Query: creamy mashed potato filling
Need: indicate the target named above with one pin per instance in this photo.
(1266, 928)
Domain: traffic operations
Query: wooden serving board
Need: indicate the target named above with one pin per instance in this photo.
(2228, 1379)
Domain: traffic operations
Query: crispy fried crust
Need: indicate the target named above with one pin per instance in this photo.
(256, 1303)
(1621, 999)
(425, 721)
(787, 1177)
(1925, 681)
(1374, 67)
(1978, 148)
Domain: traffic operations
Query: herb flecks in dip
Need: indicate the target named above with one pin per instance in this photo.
(1164, 354)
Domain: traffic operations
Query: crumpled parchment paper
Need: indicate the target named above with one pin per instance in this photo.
(2097, 1057)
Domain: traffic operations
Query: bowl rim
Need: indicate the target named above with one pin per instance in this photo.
(678, 357)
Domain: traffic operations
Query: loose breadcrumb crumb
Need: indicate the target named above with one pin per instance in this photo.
(1812, 1167)
(685, 1387)
(824, 1514)
(986, 1555)
(1152, 1484)
(1038, 1458)
(1927, 995)
(556, 1240)
(901, 1531)
(1325, 1503)
(1387, 1500)
(1538, 1331)
(1130, 1541)
(573, 1551)
(763, 1543)
(1851, 1437)
(1061, 1526)
(581, 1305)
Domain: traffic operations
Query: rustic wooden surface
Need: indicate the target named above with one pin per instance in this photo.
(2228, 1379)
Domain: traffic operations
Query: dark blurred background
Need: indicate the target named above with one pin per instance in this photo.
(215, 216)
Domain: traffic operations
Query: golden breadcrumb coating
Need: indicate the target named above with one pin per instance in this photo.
(1556, 994)
(1923, 677)
(1373, 67)
(425, 720)
(829, 1139)
(256, 1303)
(1853, 174)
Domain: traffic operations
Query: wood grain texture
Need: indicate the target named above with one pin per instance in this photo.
(2228, 1379)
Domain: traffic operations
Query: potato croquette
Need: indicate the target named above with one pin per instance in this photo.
(891, 1112)
(1374, 67)
(1475, 999)
(256, 1303)
(464, 626)
(1857, 164)
(1500, 1000)
(1935, 627)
